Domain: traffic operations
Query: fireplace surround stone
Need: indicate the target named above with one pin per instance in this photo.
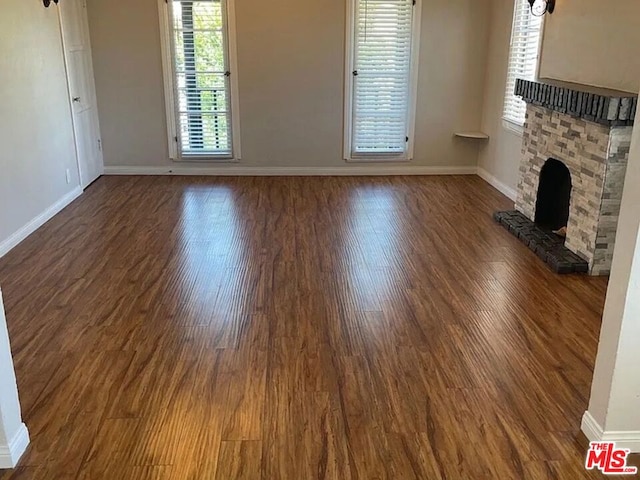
(595, 150)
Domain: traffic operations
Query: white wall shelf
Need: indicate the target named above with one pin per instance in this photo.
(473, 135)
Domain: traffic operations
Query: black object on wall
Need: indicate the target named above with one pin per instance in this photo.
(540, 7)
(554, 195)
(48, 2)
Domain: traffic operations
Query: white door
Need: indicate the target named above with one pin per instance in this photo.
(77, 48)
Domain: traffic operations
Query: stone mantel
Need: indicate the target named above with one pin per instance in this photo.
(606, 107)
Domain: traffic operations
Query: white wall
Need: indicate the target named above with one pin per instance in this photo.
(35, 120)
(499, 157)
(585, 41)
(291, 75)
(614, 408)
(14, 437)
(593, 42)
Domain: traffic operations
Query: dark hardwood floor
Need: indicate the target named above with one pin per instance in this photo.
(296, 328)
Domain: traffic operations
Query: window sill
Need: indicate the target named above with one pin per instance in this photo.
(377, 159)
(205, 159)
(513, 127)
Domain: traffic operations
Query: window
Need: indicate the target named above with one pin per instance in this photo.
(523, 58)
(200, 79)
(382, 52)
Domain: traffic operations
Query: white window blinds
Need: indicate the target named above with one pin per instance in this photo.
(201, 83)
(523, 58)
(382, 70)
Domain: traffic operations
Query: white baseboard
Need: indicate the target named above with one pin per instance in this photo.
(37, 222)
(595, 433)
(591, 429)
(497, 184)
(353, 170)
(10, 454)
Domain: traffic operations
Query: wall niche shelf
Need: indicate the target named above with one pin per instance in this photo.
(473, 135)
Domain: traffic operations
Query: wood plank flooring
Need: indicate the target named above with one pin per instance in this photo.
(296, 328)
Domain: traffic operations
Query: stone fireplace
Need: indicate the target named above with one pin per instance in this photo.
(575, 150)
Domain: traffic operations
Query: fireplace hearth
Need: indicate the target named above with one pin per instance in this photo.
(543, 242)
(575, 150)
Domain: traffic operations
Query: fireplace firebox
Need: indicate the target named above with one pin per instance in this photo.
(554, 196)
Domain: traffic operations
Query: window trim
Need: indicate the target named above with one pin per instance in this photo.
(170, 95)
(511, 124)
(408, 154)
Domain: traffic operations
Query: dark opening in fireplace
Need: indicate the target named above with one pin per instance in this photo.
(554, 194)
